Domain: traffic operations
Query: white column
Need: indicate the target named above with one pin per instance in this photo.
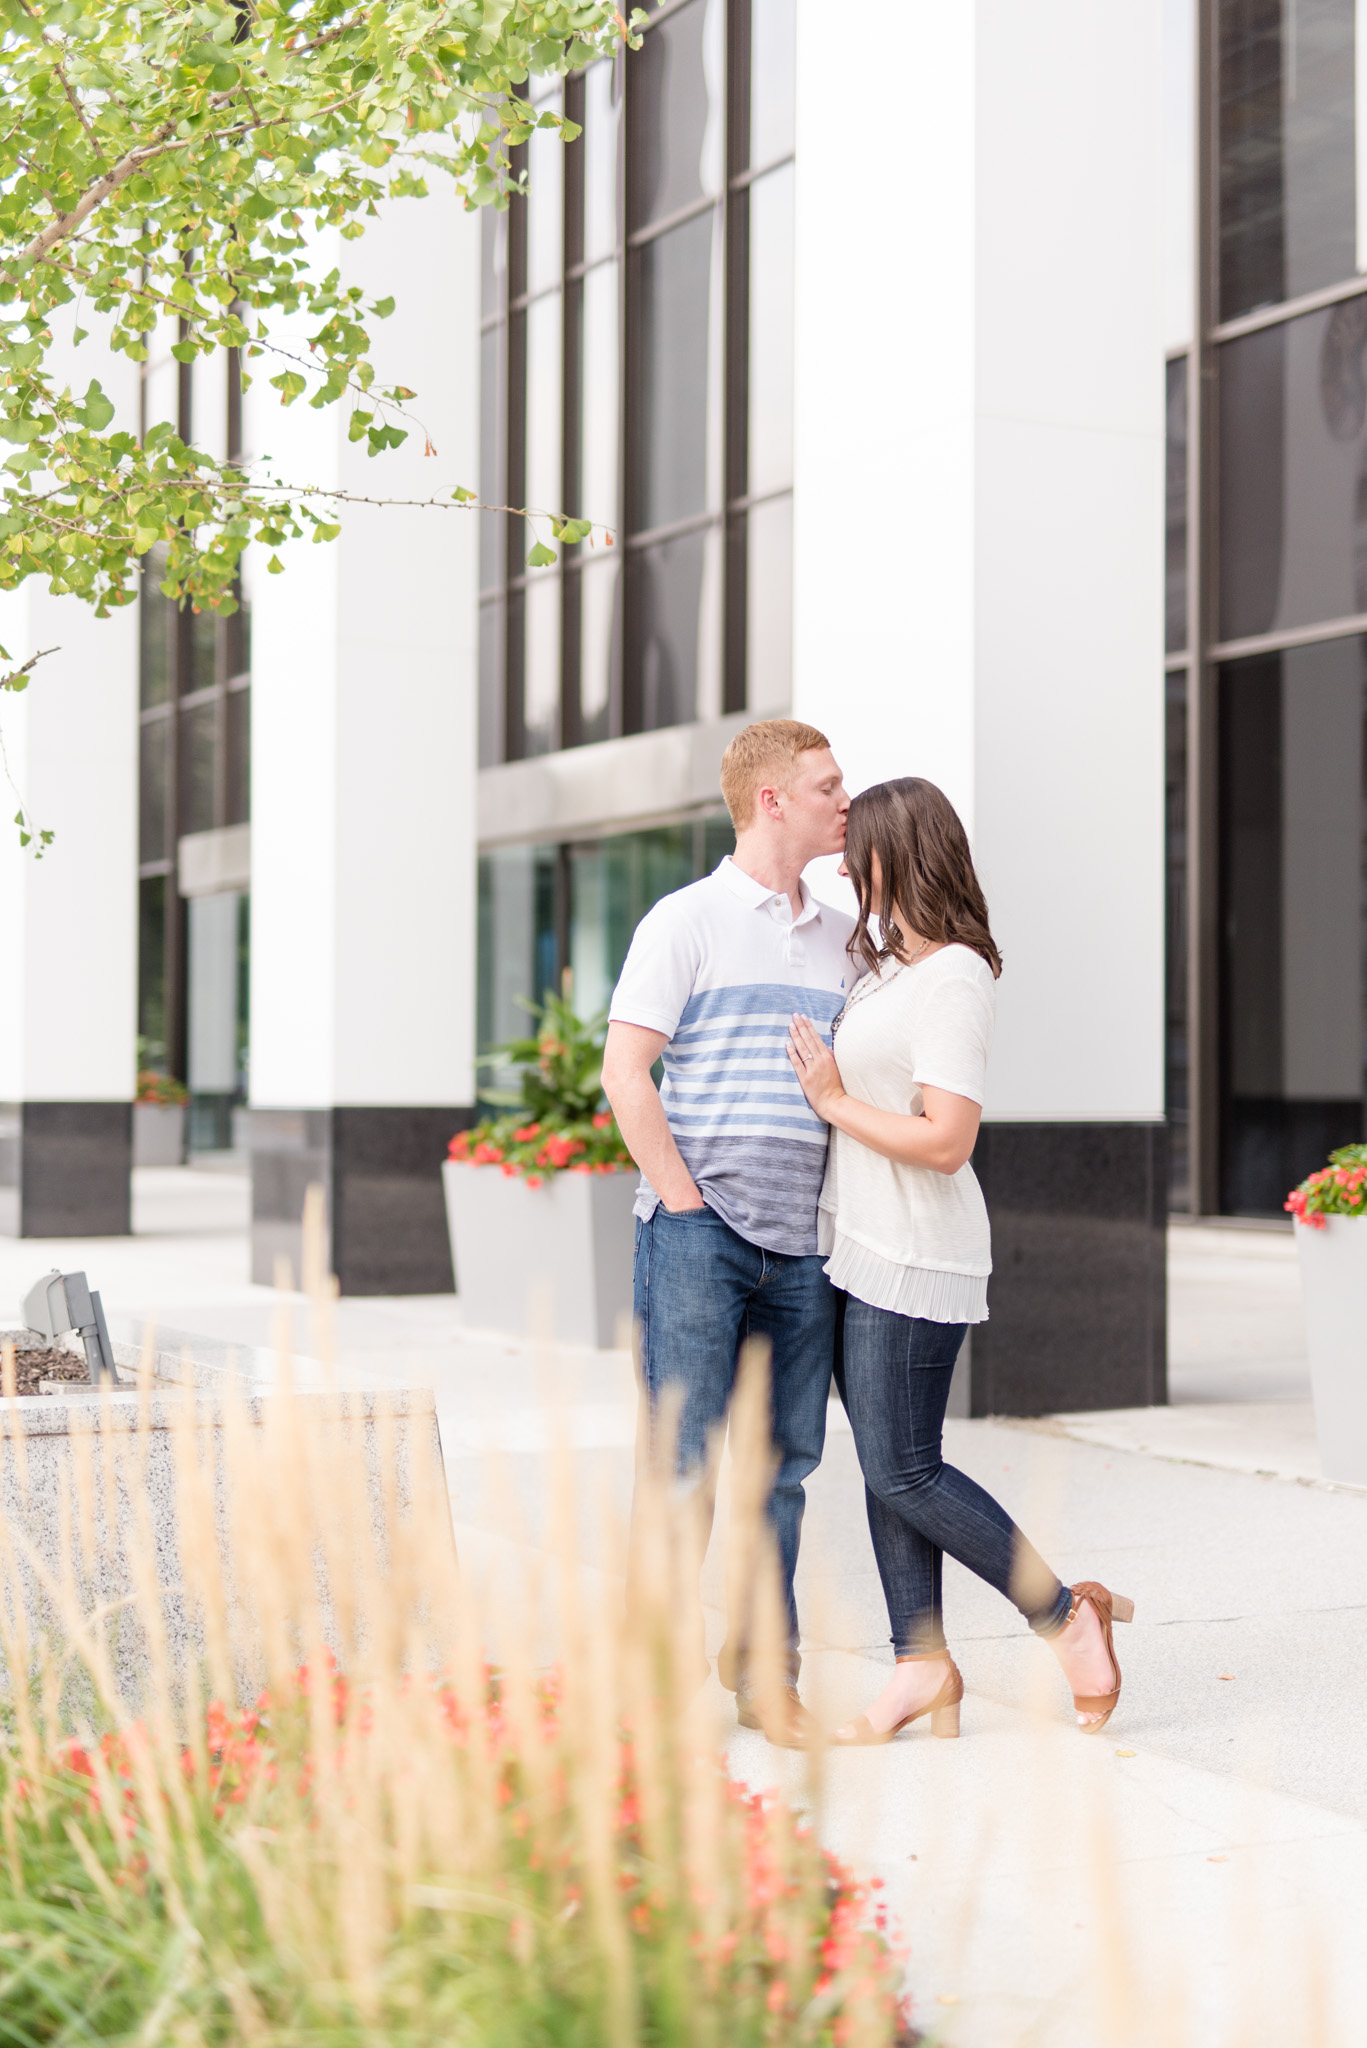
(364, 696)
(979, 597)
(68, 922)
(884, 427)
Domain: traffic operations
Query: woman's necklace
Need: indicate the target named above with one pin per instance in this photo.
(870, 983)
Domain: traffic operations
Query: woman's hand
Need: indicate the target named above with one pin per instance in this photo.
(814, 1064)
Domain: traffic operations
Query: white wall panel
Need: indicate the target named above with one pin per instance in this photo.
(363, 747)
(68, 923)
(883, 411)
(1068, 552)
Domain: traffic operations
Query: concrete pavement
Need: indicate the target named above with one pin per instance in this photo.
(1196, 1873)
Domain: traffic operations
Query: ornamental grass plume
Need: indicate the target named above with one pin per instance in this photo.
(282, 1796)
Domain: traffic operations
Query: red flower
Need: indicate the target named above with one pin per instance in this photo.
(603, 1120)
(526, 1134)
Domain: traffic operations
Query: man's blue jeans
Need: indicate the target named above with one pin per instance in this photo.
(700, 1291)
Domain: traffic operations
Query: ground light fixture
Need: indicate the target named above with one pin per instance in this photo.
(63, 1302)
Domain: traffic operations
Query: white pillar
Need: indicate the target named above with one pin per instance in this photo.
(68, 922)
(979, 522)
(363, 790)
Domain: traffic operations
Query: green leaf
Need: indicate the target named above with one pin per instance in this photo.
(97, 409)
(462, 496)
(541, 556)
(275, 567)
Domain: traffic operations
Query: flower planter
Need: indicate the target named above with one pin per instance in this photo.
(158, 1133)
(554, 1258)
(1333, 1262)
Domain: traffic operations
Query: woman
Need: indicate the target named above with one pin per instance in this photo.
(905, 1226)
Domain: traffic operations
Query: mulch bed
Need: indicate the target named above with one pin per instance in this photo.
(54, 1364)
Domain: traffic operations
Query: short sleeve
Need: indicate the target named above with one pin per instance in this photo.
(658, 973)
(954, 1037)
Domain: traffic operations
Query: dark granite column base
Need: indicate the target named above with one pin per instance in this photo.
(65, 1169)
(1078, 1294)
(380, 1170)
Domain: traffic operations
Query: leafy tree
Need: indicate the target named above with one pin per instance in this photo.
(176, 158)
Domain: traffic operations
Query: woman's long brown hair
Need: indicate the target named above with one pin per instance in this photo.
(927, 872)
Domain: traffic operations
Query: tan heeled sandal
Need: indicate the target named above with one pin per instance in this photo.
(943, 1711)
(1108, 1607)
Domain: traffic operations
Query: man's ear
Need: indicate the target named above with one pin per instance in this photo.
(771, 801)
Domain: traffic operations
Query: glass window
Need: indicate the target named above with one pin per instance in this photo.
(600, 398)
(541, 665)
(545, 203)
(675, 591)
(773, 38)
(198, 764)
(237, 638)
(1175, 550)
(212, 997)
(769, 607)
(602, 116)
(1288, 173)
(1177, 1089)
(237, 736)
(517, 945)
(677, 111)
(1293, 473)
(545, 392)
(493, 448)
(1292, 900)
(154, 789)
(493, 289)
(156, 632)
(771, 332)
(599, 644)
(491, 684)
(673, 429)
(613, 883)
(152, 1050)
(201, 650)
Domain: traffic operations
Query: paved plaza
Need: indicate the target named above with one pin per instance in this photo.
(1199, 1872)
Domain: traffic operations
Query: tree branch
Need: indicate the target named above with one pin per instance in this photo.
(77, 109)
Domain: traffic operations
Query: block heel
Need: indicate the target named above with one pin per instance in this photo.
(943, 1711)
(944, 1722)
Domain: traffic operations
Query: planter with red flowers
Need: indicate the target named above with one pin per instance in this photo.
(539, 1199)
(159, 1120)
(1330, 1209)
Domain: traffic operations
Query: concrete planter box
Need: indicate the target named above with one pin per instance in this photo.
(159, 1133)
(89, 1483)
(555, 1258)
(1333, 1265)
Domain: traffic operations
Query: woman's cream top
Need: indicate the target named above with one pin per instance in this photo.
(904, 1237)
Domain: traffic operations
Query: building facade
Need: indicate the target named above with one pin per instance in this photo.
(869, 415)
(1267, 605)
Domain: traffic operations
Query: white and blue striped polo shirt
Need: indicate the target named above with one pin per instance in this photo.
(719, 968)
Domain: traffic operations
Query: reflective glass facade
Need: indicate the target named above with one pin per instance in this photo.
(1293, 912)
(194, 776)
(637, 370)
(1287, 150)
(548, 910)
(1266, 611)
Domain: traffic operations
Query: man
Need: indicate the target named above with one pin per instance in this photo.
(732, 1157)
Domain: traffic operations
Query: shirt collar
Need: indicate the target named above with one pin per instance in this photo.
(757, 896)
